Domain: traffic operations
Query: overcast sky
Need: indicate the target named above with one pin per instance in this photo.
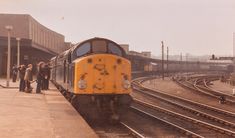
(189, 26)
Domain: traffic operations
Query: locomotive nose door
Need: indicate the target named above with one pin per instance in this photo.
(99, 73)
(99, 46)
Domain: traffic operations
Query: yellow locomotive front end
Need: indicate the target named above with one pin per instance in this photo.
(102, 74)
(101, 77)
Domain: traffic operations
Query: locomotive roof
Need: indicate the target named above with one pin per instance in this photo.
(72, 49)
(95, 38)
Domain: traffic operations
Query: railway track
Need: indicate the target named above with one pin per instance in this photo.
(121, 129)
(137, 85)
(133, 131)
(199, 84)
(106, 130)
(189, 126)
(229, 97)
(136, 127)
(175, 126)
(213, 118)
(190, 84)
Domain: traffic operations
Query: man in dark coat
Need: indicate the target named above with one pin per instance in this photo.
(22, 70)
(40, 77)
(14, 73)
(47, 75)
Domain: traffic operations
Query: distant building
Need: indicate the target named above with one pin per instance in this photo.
(146, 54)
(221, 60)
(226, 58)
(142, 54)
(37, 41)
(134, 53)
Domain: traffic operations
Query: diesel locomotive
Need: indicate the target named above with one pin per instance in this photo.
(95, 76)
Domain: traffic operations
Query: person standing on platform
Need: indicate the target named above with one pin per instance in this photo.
(28, 78)
(44, 77)
(14, 73)
(22, 70)
(47, 75)
(40, 77)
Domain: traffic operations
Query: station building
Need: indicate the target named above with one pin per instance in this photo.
(37, 42)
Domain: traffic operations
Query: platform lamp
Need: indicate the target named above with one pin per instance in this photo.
(9, 28)
(18, 55)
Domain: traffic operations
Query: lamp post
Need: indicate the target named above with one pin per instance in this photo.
(18, 55)
(167, 61)
(162, 60)
(234, 50)
(9, 28)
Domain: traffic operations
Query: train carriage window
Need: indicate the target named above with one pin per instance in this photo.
(114, 49)
(99, 46)
(83, 49)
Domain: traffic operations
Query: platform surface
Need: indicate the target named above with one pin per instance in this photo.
(47, 115)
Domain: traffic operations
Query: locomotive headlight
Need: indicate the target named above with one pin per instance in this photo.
(126, 84)
(82, 84)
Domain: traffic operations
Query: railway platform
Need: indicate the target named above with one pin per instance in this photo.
(46, 115)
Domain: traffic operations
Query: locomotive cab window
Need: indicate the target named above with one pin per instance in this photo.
(96, 47)
(99, 46)
(114, 49)
(83, 49)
